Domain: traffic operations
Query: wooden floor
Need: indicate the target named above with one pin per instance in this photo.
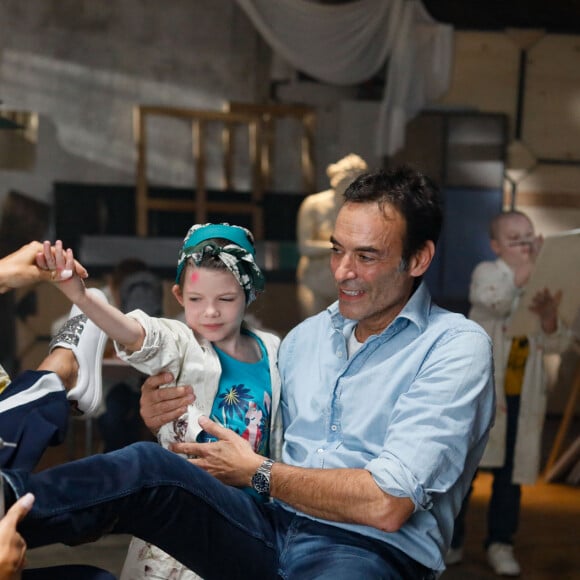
(548, 541)
(547, 544)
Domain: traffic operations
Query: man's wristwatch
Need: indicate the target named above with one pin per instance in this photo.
(261, 479)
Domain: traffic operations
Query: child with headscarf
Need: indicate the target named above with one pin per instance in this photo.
(231, 366)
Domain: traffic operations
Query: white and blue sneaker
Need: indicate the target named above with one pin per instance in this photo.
(87, 341)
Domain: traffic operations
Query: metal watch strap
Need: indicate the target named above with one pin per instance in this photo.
(261, 479)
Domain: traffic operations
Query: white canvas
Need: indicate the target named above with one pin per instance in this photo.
(557, 268)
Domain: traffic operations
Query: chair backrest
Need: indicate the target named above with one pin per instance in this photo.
(260, 123)
(201, 205)
(269, 114)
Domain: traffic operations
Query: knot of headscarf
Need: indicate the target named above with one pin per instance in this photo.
(238, 257)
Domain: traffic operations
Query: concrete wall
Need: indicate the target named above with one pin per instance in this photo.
(83, 64)
(534, 78)
(543, 111)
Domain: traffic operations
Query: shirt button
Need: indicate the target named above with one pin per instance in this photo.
(339, 353)
(334, 428)
(320, 451)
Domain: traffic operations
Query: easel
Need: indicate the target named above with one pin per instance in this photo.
(552, 468)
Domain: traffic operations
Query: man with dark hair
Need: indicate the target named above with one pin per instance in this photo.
(387, 402)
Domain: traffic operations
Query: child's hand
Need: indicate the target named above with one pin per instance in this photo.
(63, 268)
(546, 305)
(47, 260)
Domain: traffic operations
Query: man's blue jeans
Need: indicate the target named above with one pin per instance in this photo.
(214, 529)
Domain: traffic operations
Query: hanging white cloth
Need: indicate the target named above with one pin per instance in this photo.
(347, 44)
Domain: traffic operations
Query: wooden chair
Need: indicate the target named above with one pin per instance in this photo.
(201, 205)
(260, 123)
(558, 460)
(269, 114)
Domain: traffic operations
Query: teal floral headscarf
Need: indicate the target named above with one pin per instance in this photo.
(238, 257)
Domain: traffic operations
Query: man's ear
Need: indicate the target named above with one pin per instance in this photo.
(422, 259)
(176, 291)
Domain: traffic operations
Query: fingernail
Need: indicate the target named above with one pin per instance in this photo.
(27, 500)
(66, 274)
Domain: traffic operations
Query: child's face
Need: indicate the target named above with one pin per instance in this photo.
(514, 239)
(213, 301)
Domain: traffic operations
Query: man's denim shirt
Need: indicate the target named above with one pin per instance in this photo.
(413, 406)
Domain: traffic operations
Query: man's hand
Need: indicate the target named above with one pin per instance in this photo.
(12, 544)
(163, 405)
(546, 305)
(231, 459)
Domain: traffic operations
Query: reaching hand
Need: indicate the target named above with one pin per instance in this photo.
(231, 459)
(62, 267)
(546, 305)
(162, 405)
(21, 269)
(12, 544)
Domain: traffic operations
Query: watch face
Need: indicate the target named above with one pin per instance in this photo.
(261, 483)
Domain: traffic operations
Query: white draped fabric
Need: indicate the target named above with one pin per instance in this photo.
(348, 43)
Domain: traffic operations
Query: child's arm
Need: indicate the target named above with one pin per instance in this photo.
(113, 322)
(523, 271)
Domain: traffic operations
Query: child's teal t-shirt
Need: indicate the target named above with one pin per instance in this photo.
(243, 402)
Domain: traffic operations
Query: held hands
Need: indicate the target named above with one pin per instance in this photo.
(231, 459)
(62, 267)
(21, 269)
(546, 305)
(12, 544)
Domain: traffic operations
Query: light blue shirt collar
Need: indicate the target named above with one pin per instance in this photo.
(416, 311)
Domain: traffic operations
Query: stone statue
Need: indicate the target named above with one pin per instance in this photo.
(316, 217)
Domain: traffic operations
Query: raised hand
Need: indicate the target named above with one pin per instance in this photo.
(62, 266)
(546, 306)
(21, 268)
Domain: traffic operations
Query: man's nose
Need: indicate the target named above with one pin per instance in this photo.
(344, 268)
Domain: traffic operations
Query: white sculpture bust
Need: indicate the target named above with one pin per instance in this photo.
(316, 217)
